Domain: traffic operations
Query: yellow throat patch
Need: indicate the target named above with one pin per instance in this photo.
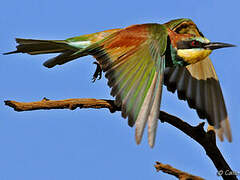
(192, 56)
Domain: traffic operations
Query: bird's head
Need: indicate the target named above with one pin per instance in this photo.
(193, 48)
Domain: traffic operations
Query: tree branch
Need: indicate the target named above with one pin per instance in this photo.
(175, 172)
(63, 104)
(206, 139)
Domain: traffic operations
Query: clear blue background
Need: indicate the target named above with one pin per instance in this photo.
(95, 144)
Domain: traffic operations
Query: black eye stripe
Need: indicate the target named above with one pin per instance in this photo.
(189, 44)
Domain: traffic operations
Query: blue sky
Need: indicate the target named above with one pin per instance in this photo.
(95, 144)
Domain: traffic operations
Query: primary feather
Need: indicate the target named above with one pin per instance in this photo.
(134, 65)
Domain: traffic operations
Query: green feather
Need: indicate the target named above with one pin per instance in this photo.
(135, 71)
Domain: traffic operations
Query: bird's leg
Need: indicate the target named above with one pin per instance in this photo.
(98, 72)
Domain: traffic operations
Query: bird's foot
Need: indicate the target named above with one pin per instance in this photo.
(98, 73)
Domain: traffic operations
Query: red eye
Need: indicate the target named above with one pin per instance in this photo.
(195, 43)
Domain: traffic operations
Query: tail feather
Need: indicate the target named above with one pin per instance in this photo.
(63, 58)
(33, 47)
(60, 59)
(70, 48)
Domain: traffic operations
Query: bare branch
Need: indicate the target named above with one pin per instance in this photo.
(63, 104)
(206, 139)
(175, 172)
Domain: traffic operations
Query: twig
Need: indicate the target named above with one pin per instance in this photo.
(181, 175)
(206, 139)
(63, 104)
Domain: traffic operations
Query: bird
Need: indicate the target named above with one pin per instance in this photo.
(138, 60)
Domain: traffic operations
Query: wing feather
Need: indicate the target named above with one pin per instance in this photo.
(200, 86)
(133, 59)
(129, 102)
(144, 112)
(154, 113)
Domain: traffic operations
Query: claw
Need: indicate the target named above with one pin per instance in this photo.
(98, 73)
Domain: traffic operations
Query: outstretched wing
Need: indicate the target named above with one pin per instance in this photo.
(199, 85)
(133, 59)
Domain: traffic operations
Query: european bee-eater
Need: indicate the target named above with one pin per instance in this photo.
(138, 60)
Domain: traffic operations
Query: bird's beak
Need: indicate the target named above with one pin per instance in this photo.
(217, 45)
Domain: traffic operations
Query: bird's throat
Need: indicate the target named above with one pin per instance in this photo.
(192, 56)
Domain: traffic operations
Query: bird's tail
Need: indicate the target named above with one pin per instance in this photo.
(70, 49)
(33, 47)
